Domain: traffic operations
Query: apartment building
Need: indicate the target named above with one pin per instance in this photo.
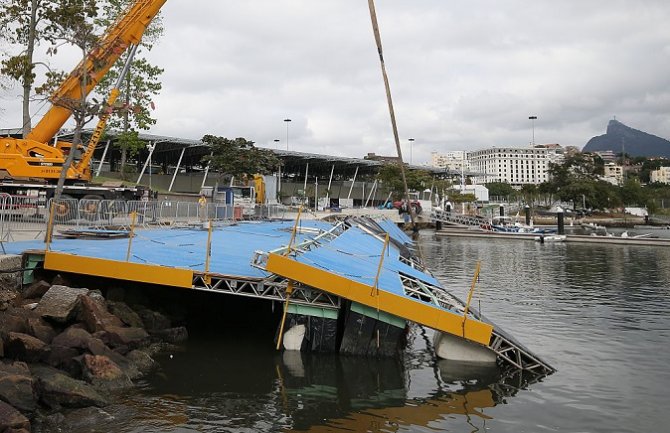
(456, 160)
(661, 175)
(517, 166)
(613, 174)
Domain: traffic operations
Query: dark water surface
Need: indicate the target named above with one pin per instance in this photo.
(599, 314)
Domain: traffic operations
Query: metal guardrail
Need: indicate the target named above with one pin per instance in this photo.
(27, 217)
(456, 218)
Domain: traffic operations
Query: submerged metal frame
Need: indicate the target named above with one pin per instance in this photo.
(272, 288)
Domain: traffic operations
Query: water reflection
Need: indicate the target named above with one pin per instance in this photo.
(369, 396)
(242, 385)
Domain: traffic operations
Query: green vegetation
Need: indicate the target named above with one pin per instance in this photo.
(239, 157)
(578, 179)
(417, 180)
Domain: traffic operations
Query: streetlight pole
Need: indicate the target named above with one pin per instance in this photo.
(150, 148)
(276, 140)
(411, 141)
(532, 119)
(287, 122)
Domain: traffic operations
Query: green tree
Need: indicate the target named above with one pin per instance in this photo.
(141, 85)
(456, 196)
(575, 179)
(499, 189)
(529, 193)
(77, 28)
(239, 157)
(632, 193)
(391, 178)
(26, 24)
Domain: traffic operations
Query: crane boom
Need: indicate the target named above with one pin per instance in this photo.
(30, 163)
(127, 30)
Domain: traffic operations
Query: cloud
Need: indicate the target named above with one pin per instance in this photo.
(464, 75)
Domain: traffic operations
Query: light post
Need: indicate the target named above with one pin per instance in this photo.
(533, 119)
(287, 122)
(411, 141)
(150, 148)
(276, 140)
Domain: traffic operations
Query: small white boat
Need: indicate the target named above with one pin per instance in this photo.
(550, 238)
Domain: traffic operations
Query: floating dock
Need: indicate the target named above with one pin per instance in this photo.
(349, 286)
(570, 238)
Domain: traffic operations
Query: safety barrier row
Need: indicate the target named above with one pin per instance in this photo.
(26, 217)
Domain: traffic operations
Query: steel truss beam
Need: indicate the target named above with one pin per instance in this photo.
(269, 288)
(511, 353)
(508, 351)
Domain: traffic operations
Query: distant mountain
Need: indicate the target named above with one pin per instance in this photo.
(633, 142)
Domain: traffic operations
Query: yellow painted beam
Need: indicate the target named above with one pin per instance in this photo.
(413, 310)
(144, 273)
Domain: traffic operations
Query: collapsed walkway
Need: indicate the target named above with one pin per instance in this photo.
(316, 268)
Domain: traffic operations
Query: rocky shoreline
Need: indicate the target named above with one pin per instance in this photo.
(64, 347)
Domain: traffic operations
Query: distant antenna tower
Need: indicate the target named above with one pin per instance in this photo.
(623, 157)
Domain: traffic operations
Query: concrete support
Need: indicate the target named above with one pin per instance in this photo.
(204, 178)
(152, 146)
(310, 329)
(330, 182)
(102, 160)
(176, 170)
(352, 183)
(279, 184)
(454, 348)
(304, 188)
(372, 190)
(371, 332)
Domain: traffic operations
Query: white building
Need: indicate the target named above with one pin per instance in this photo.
(661, 175)
(516, 166)
(613, 174)
(456, 160)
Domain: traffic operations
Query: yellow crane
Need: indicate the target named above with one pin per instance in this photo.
(33, 161)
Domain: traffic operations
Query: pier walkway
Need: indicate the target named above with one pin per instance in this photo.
(319, 264)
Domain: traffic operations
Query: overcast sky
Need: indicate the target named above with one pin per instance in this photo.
(464, 75)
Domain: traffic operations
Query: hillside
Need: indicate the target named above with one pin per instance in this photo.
(634, 142)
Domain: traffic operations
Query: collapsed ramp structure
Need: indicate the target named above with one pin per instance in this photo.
(371, 266)
(350, 286)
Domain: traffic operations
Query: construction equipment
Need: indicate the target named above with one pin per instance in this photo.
(32, 165)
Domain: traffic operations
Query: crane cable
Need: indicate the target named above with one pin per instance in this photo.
(378, 40)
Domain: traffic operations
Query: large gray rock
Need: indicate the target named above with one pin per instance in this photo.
(14, 320)
(95, 316)
(63, 359)
(118, 337)
(144, 362)
(103, 373)
(125, 313)
(41, 329)
(74, 337)
(172, 335)
(36, 289)
(16, 386)
(24, 347)
(154, 320)
(127, 365)
(11, 280)
(7, 297)
(60, 303)
(10, 418)
(57, 389)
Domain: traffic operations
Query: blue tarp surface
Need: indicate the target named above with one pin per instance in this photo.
(353, 254)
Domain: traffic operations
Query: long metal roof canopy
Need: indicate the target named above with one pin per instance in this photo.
(168, 150)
